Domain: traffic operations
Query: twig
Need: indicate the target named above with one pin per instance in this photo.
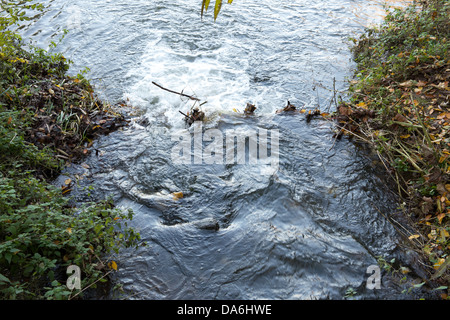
(425, 131)
(15, 135)
(181, 94)
(334, 96)
(70, 298)
(353, 134)
(334, 92)
(318, 99)
(184, 114)
(396, 228)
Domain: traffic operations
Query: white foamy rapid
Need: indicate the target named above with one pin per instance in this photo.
(223, 86)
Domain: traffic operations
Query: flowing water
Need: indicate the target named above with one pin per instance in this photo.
(307, 226)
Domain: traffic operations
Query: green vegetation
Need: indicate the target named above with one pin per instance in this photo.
(47, 118)
(217, 7)
(400, 105)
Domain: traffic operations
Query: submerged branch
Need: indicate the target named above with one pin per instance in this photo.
(179, 93)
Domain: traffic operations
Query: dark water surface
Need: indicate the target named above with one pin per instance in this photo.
(306, 227)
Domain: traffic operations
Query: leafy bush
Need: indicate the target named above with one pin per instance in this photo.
(41, 236)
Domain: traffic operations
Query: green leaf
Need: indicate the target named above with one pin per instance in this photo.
(418, 285)
(440, 288)
(217, 8)
(205, 5)
(8, 257)
(4, 279)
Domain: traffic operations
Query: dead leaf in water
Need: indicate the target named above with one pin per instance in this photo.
(113, 265)
(177, 195)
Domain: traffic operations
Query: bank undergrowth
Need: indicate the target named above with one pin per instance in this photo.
(48, 119)
(399, 103)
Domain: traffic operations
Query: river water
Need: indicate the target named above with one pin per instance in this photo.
(307, 225)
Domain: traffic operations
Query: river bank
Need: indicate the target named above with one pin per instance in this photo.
(399, 104)
(48, 120)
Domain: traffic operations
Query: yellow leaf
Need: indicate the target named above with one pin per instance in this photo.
(415, 236)
(362, 104)
(440, 217)
(205, 5)
(406, 136)
(217, 8)
(68, 181)
(234, 109)
(69, 230)
(438, 264)
(177, 195)
(443, 115)
(113, 265)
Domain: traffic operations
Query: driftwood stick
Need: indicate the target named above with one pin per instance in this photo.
(184, 114)
(181, 94)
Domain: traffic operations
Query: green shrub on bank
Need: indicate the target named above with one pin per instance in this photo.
(40, 236)
(400, 103)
